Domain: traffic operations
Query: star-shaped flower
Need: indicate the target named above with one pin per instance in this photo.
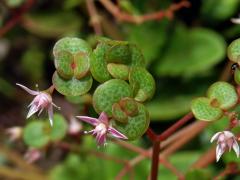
(102, 128)
(42, 100)
(225, 140)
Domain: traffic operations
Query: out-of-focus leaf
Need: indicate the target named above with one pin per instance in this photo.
(219, 9)
(169, 108)
(59, 129)
(54, 24)
(191, 52)
(33, 57)
(149, 37)
(127, 6)
(35, 134)
(194, 174)
(6, 88)
(14, 3)
(69, 4)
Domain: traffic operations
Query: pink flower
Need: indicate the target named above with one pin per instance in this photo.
(74, 126)
(225, 140)
(14, 133)
(102, 128)
(32, 155)
(42, 100)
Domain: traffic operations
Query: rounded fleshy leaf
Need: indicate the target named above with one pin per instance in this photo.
(142, 83)
(224, 93)
(73, 86)
(119, 52)
(118, 114)
(109, 93)
(234, 51)
(129, 106)
(137, 58)
(71, 57)
(34, 134)
(63, 63)
(59, 128)
(202, 110)
(118, 71)
(72, 45)
(98, 65)
(136, 126)
(237, 76)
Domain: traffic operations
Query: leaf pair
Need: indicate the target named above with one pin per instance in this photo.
(221, 96)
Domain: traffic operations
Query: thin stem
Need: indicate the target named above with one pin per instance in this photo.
(122, 16)
(16, 18)
(151, 134)
(94, 17)
(175, 126)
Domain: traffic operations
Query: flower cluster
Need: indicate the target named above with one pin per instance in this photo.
(225, 141)
(43, 100)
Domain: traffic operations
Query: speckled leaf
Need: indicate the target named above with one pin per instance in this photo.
(137, 58)
(59, 128)
(73, 86)
(136, 126)
(118, 114)
(202, 110)
(109, 93)
(129, 106)
(98, 65)
(63, 63)
(234, 51)
(237, 76)
(119, 52)
(81, 65)
(145, 83)
(118, 71)
(34, 134)
(224, 93)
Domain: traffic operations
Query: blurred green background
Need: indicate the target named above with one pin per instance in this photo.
(185, 55)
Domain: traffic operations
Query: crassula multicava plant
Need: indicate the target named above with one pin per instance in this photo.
(222, 101)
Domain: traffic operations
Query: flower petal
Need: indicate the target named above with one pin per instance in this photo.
(101, 139)
(103, 118)
(50, 114)
(219, 152)
(90, 120)
(116, 133)
(28, 90)
(236, 147)
(33, 109)
(228, 134)
(215, 136)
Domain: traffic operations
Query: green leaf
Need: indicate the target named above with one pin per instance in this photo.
(234, 51)
(136, 126)
(59, 128)
(52, 24)
(118, 71)
(169, 108)
(191, 52)
(196, 173)
(118, 114)
(142, 83)
(73, 86)
(149, 37)
(202, 110)
(219, 9)
(237, 76)
(224, 93)
(35, 135)
(109, 93)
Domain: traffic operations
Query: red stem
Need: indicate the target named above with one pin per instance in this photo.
(155, 160)
(16, 18)
(175, 126)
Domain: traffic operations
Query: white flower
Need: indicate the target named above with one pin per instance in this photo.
(14, 133)
(225, 140)
(74, 126)
(42, 100)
